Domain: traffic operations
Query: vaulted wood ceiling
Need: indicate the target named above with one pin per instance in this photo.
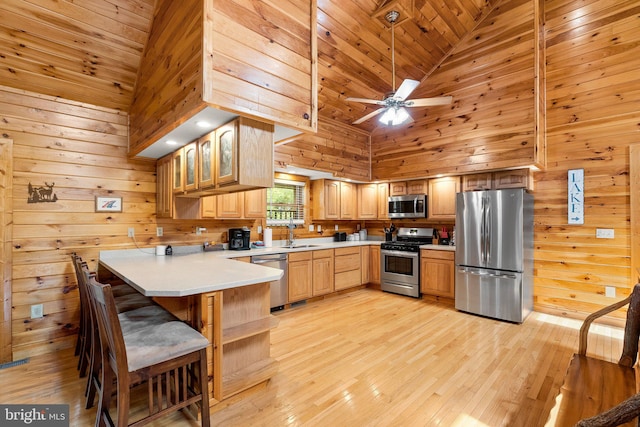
(90, 51)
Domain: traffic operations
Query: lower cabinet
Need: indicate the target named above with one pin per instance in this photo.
(374, 265)
(323, 272)
(364, 264)
(347, 268)
(437, 273)
(300, 271)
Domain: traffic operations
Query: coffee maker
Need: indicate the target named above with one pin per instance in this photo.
(239, 239)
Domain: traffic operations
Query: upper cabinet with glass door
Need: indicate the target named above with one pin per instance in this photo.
(206, 158)
(227, 153)
(244, 155)
(191, 166)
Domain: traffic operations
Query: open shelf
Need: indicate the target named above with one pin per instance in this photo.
(248, 329)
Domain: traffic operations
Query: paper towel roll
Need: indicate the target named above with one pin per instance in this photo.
(268, 237)
(160, 250)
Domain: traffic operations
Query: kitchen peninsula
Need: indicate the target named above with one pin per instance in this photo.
(226, 300)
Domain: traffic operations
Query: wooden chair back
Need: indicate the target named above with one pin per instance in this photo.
(113, 348)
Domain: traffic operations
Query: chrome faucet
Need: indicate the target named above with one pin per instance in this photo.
(291, 240)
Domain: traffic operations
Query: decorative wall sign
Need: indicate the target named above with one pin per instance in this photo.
(42, 194)
(108, 204)
(575, 200)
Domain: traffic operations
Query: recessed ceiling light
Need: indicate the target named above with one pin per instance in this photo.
(203, 124)
(171, 142)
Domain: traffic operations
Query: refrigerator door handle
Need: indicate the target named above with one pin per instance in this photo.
(487, 227)
(473, 272)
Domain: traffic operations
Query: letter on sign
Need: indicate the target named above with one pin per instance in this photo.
(575, 200)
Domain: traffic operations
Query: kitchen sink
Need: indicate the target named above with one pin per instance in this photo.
(300, 246)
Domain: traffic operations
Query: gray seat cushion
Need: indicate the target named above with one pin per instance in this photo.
(158, 343)
(140, 318)
(131, 302)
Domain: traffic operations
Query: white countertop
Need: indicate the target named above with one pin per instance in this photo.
(196, 272)
(182, 275)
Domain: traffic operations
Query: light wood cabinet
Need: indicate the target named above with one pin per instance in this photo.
(442, 197)
(206, 161)
(177, 171)
(190, 164)
(347, 268)
(518, 178)
(164, 191)
(437, 273)
(245, 204)
(365, 254)
(244, 155)
(398, 188)
(383, 201)
(255, 203)
(417, 187)
(323, 272)
(208, 207)
(348, 202)
(325, 195)
(300, 271)
(477, 181)
(367, 201)
(374, 265)
(230, 205)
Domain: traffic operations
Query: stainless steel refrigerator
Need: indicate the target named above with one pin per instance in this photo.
(494, 253)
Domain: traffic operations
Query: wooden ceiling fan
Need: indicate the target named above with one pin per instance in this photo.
(394, 103)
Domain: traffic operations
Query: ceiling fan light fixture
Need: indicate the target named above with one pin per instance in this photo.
(394, 116)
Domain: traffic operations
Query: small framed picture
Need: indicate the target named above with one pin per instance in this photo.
(108, 204)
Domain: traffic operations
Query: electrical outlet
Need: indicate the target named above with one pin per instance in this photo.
(37, 311)
(159, 231)
(131, 232)
(610, 291)
(311, 227)
(335, 227)
(604, 233)
(259, 229)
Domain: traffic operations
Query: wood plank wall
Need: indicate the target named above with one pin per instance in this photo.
(593, 94)
(492, 121)
(80, 150)
(81, 50)
(342, 150)
(6, 251)
(169, 89)
(260, 60)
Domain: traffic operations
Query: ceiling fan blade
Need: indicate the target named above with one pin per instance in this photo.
(428, 102)
(368, 116)
(366, 101)
(405, 89)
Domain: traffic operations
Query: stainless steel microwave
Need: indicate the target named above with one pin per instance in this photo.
(408, 206)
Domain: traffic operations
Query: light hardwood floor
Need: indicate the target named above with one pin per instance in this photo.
(368, 358)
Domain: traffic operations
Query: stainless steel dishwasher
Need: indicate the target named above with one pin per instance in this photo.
(278, 287)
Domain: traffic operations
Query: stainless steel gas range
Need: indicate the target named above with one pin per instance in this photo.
(400, 261)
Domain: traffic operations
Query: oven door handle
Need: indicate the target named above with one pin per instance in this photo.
(400, 253)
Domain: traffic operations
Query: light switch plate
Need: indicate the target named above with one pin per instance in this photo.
(610, 291)
(604, 233)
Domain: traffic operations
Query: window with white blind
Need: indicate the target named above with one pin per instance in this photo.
(285, 202)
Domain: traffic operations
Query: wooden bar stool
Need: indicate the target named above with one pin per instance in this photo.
(138, 311)
(170, 357)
